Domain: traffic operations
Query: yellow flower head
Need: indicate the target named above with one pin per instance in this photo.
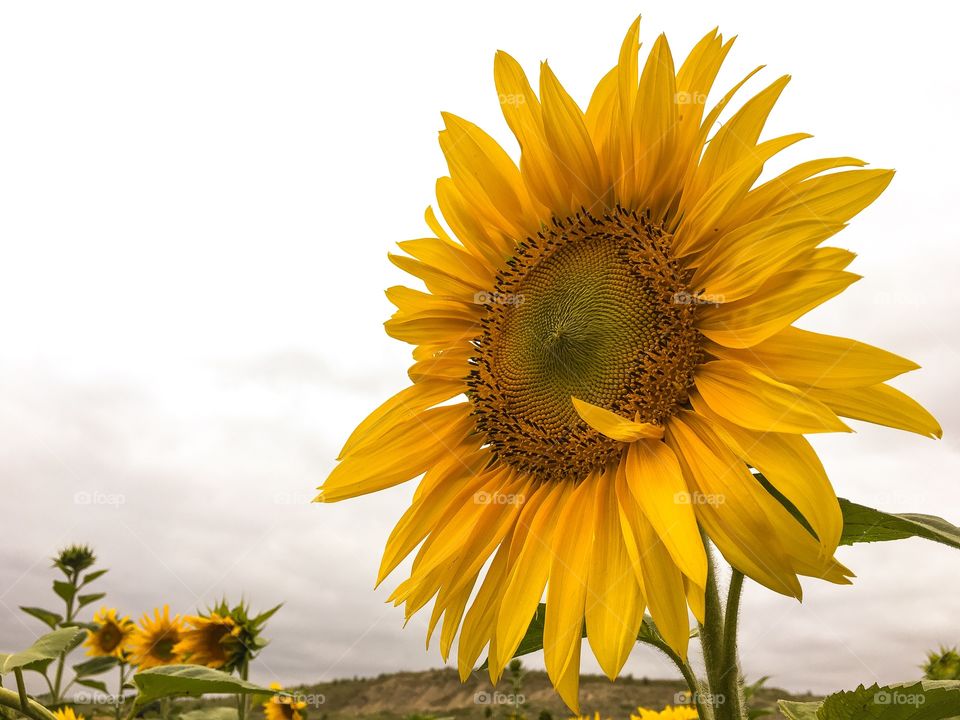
(111, 636)
(668, 713)
(210, 640)
(67, 713)
(603, 348)
(153, 641)
(283, 707)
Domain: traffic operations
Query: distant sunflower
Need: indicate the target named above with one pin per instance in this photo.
(111, 635)
(210, 640)
(679, 712)
(153, 641)
(618, 314)
(67, 713)
(282, 707)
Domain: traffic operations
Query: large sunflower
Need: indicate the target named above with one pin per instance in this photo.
(110, 636)
(152, 643)
(618, 313)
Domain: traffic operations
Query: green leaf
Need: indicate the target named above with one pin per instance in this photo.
(95, 684)
(95, 666)
(924, 700)
(64, 589)
(87, 599)
(863, 524)
(46, 649)
(177, 680)
(90, 577)
(51, 619)
(793, 710)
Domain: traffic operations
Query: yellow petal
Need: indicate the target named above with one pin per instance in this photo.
(614, 426)
(663, 583)
(614, 605)
(747, 397)
(742, 260)
(656, 482)
(529, 570)
(804, 358)
(727, 501)
(478, 625)
(698, 229)
(791, 465)
(839, 196)
(402, 454)
(779, 301)
(567, 589)
(882, 405)
(655, 121)
(570, 142)
(403, 406)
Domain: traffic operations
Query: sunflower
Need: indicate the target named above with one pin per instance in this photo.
(111, 636)
(211, 640)
(153, 641)
(283, 707)
(668, 713)
(67, 713)
(605, 365)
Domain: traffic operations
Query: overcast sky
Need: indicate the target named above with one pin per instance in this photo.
(196, 201)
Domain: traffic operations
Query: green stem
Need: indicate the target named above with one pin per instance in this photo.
(729, 663)
(32, 709)
(711, 629)
(242, 699)
(72, 578)
(21, 688)
(704, 712)
(118, 703)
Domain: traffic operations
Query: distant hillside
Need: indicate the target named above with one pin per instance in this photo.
(439, 693)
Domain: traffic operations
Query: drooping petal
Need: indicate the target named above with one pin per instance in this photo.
(613, 425)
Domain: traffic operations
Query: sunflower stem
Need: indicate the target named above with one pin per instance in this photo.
(704, 712)
(730, 679)
(33, 709)
(711, 630)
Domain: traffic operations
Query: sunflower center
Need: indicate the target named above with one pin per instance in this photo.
(592, 308)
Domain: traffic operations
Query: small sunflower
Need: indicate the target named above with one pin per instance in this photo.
(604, 356)
(211, 640)
(153, 641)
(679, 712)
(67, 713)
(112, 635)
(283, 707)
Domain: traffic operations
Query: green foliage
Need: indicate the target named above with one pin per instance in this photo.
(180, 680)
(750, 692)
(925, 700)
(212, 713)
(863, 524)
(45, 650)
(74, 559)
